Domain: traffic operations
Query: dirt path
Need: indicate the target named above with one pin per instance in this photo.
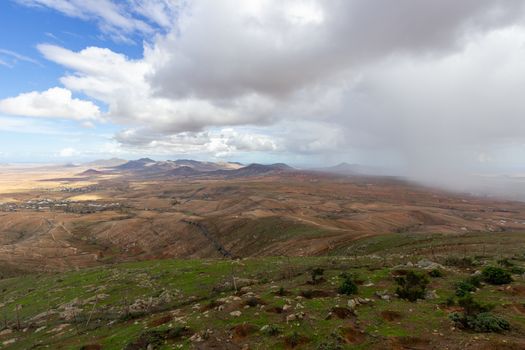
(204, 230)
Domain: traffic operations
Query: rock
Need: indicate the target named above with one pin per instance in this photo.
(70, 304)
(41, 317)
(59, 328)
(291, 318)
(429, 265)
(10, 341)
(196, 338)
(431, 294)
(382, 294)
(245, 289)
(352, 303)
(244, 282)
(287, 307)
(70, 313)
(98, 297)
(235, 313)
(6, 332)
(409, 264)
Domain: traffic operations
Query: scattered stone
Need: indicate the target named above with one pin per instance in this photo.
(70, 313)
(5, 332)
(236, 313)
(428, 265)
(352, 303)
(59, 328)
(431, 294)
(10, 341)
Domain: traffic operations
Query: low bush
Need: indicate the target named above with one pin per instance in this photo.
(272, 330)
(450, 301)
(496, 275)
(459, 262)
(468, 285)
(347, 286)
(517, 270)
(157, 338)
(477, 317)
(505, 262)
(317, 275)
(435, 273)
(281, 292)
(471, 307)
(412, 286)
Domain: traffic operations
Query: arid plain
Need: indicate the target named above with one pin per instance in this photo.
(64, 217)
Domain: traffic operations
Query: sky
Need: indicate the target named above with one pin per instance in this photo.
(429, 89)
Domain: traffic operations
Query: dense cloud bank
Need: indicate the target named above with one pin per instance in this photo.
(432, 89)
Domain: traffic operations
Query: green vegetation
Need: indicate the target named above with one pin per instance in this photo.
(496, 275)
(477, 317)
(412, 286)
(266, 303)
(347, 286)
(435, 273)
(317, 275)
(460, 262)
(468, 285)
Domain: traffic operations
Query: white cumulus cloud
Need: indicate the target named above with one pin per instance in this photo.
(53, 103)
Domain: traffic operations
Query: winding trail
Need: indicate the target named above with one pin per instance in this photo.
(216, 244)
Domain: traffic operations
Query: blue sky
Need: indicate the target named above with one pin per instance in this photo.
(432, 91)
(30, 139)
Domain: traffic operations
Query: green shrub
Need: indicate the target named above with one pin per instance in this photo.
(316, 274)
(487, 322)
(459, 262)
(476, 317)
(517, 270)
(330, 345)
(469, 285)
(505, 262)
(463, 288)
(347, 286)
(450, 301)
(471, 307)
(272, 330)
(412, 286)
(496, 275)
(435, 273)
(483, 322)
(294, 339)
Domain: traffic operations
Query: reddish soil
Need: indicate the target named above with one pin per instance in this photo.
(353, 335)
(391, 315)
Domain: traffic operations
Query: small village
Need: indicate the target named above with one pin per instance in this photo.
(63, 205)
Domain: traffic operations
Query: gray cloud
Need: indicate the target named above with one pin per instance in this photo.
(222, 49)
(432, 88)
